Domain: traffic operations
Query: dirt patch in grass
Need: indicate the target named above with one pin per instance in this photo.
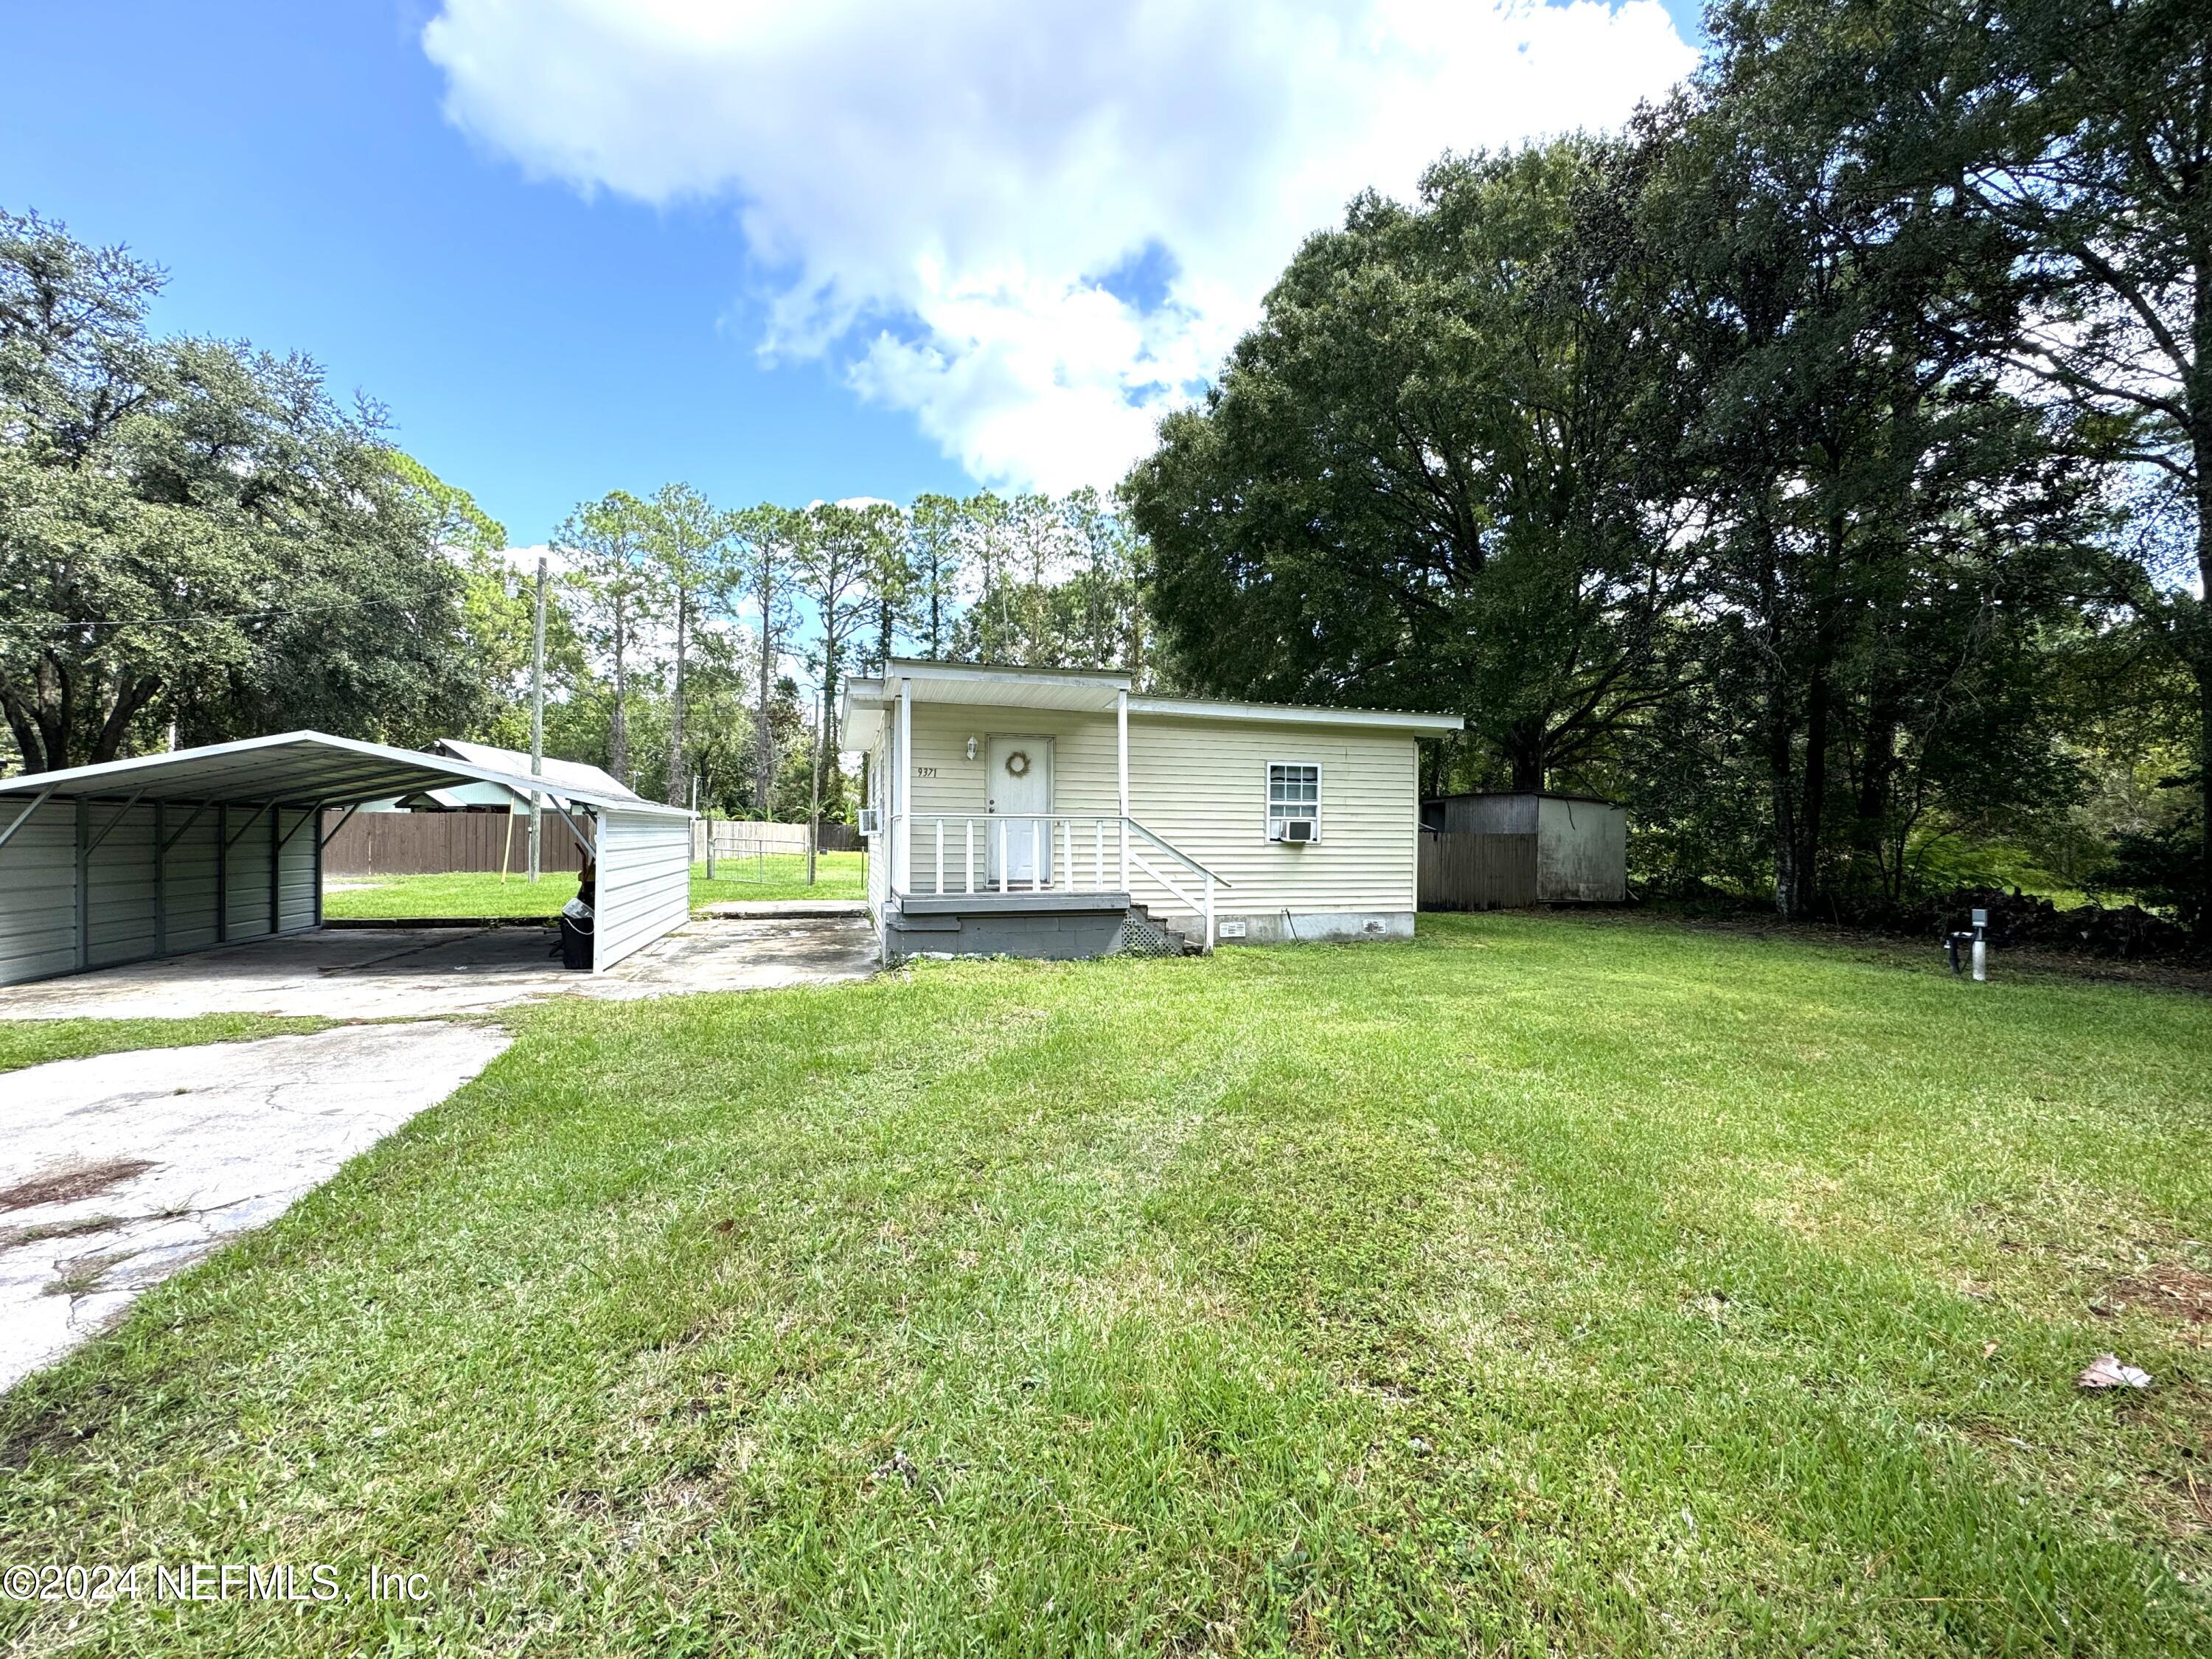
(2171, 1290)
(72, 1182)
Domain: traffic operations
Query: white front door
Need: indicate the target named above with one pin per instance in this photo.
(1019, 785)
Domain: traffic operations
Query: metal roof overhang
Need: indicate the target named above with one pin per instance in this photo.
(303, 768)
(1294, 713)
(866, 700)
(1083, 691)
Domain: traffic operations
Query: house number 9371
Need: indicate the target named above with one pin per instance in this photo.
(925, 771)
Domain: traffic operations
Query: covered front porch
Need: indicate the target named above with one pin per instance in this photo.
(999, 819)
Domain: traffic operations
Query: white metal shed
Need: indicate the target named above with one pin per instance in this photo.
(164, 854)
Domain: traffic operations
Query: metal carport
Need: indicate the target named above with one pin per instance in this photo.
(164, 854)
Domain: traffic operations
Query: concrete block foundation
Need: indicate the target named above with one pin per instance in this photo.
(1042, 927)
(1324, 927)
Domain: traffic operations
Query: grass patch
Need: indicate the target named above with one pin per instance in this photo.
(35, 1042)
(46, 1232)
(85, 1276)
(1538, 1286)
(780, 876)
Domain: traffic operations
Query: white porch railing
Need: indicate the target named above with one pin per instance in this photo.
(947, 853)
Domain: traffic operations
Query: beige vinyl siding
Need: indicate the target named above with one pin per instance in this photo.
(1202, 785)
(1083, 757)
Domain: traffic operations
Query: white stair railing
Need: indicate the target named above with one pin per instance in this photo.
(1203, 903)
(966, 854)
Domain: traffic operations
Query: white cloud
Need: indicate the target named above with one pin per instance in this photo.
(523, 561)
(938, 199)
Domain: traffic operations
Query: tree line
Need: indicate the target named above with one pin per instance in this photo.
(1816, 466)
(199, 543)
(675, 588)
(195, 537)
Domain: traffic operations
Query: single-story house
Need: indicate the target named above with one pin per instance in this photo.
(1061, 813)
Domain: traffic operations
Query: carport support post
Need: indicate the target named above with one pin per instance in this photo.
(161, 881)
(537, 713)
(276, 871)
(83, 883)
(223, 872)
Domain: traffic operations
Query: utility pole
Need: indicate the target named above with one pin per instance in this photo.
(537, 712)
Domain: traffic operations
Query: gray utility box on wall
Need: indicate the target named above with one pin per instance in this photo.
(1490, 852)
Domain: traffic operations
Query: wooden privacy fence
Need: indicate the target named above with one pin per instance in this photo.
(436, 843)
(1461, 871)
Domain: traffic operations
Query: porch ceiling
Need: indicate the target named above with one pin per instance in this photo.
(1087, 691)
(866, 700)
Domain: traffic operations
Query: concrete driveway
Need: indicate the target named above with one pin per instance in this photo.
(388, 972)
(119, 1170)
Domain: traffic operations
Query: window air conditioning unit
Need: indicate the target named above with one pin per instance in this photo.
(872, 821)
(1295, 829)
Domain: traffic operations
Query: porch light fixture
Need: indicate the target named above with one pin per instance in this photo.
(971, 749)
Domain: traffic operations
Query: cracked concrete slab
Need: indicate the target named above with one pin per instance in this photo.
(160, 1155)
(421, 972)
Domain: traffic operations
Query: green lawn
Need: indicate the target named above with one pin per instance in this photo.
(780, 876)
(1543, 1285)
(35, 1042)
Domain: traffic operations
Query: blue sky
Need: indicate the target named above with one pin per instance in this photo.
(596, 246)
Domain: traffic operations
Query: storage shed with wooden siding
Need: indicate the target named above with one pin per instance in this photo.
(1500, 849)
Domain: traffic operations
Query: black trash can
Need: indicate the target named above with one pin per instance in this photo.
(575, 943)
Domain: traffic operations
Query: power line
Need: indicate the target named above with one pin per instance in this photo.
(192, 618)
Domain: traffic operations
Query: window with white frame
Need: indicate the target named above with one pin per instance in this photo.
(1293, 798)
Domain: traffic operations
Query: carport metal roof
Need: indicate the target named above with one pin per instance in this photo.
(66, 906)
(305, 768)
